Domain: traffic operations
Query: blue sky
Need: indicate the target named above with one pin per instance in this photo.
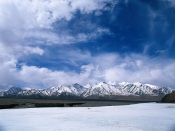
(51, 42)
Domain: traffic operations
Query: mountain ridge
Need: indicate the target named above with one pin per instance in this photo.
(106, 90)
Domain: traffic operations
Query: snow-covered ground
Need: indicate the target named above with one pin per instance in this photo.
(138, 117)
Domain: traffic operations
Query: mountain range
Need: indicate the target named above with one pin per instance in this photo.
(101, 90)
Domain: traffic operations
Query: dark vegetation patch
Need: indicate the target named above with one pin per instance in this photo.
(7, 103)
(169, 98)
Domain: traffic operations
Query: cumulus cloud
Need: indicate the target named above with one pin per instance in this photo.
(8, 71)
(104, 67)
(142, 69)
(9, 56)
(24, 25)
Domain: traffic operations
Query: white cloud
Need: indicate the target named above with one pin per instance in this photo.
(88, 7)
(34, 19)
(8, 52)
(8, 72)
(131, 68)
(33, 50)
(142, 69)
(22, 21)
(34, 76)
(27, 23)
(104, 67)
(9, 56)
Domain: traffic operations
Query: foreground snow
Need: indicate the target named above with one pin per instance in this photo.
(138, 117)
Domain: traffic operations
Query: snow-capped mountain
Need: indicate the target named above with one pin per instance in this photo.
(125, 88)
(1, 93)
(101, 89)
(13, 90)
(139, 89)
(74, 89)
(29, 92)
(9, 90)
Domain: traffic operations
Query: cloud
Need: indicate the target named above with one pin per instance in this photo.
(172, 2)
(8, 72)
(33, 50)
(25, 25)
(33, 76)
(34, 19)
(31, 28)
(42, 37)
(161, 18)
(9, 56)
(142, 69)
(103, 67)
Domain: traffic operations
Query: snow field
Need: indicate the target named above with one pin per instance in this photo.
(137, 117)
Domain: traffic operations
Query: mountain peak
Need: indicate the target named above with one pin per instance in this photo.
(124, 83)
(112, 83)
(13, 90)
(97, 89)
(76, 84)
(137, 83)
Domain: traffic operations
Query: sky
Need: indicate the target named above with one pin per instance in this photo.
(51, 42)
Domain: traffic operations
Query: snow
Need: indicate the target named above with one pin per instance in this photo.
(101, 89)
(137, 84)
(123, 83)
(138, 117)
(152, 86)
(112, 83)
(98, 89)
